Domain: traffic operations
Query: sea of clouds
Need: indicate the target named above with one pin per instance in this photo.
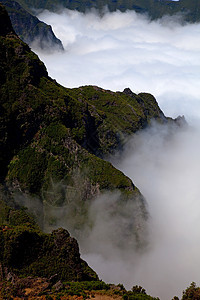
(119, 50)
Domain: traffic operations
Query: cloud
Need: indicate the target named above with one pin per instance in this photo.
(119, 50)
(165, 166)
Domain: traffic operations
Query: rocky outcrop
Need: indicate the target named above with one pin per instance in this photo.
(30, 29)
(53, 139)
(26, 251)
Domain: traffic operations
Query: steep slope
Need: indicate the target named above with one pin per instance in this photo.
(53, 139)
(30, 29)
(155, 8)
(26, 251)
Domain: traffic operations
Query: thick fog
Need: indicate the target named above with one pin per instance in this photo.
(166, 168)
(121, 50)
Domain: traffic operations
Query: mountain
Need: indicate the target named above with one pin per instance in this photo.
(53, 139)
(155, 8)
(25, 250)
(30, 29)
(53, 144)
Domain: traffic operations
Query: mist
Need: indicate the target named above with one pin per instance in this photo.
(165, 167)
(119, 50)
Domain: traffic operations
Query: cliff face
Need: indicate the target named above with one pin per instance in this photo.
(30, 29)
(53, 139)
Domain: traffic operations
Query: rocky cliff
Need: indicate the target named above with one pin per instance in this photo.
(26, 251)
(30, 29)
(53, 140)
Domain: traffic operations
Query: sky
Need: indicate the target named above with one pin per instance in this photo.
(119, 50)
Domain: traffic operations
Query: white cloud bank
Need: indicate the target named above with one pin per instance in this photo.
(122, 50)
(166, 168)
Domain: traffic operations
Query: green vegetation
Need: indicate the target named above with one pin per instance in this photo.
(53, 139)
(52, 144)
(49, 132)
(137, 293)
(26, 251)
(192, 292)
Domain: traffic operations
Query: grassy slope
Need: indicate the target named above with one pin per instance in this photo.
(53, 139)
(48, 131)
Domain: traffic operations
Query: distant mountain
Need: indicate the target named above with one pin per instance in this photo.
(155, 8)
(30, 29)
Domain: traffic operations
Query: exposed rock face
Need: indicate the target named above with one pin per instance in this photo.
(53, 139)
(30, 29)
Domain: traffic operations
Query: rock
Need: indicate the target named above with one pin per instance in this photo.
(181, 121)
(60, 237)
(128, 92)
(58, 286)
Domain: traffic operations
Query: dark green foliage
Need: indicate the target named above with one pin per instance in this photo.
(4, 212)
(48, 132)
(137, 293)
(114, 116)
(192, 292)
(81, 288)
(21, 217)
(21, 247)
(53, 139)
(29, 167)
(26, 251)
(5, 24)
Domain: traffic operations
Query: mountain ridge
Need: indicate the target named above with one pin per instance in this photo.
(53, 141)
(45, 147)
(154, 8)
(30, 29)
